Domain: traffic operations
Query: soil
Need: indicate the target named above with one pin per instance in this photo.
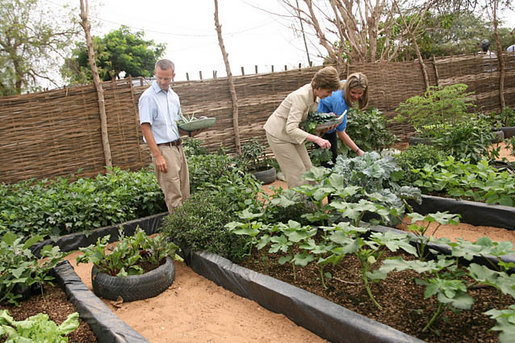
(195, 309)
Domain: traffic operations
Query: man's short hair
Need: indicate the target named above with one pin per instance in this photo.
(165, 64)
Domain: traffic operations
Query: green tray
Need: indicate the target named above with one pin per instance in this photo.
(195, 125)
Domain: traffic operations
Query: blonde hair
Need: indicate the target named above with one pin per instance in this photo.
(326, 78)
(356, 80)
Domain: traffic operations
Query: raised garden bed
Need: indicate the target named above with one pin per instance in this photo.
(329, 320)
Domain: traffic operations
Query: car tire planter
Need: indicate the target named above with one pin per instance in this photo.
(265, 176)
(133, 287)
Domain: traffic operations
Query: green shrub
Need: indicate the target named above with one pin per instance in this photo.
(467, 139)
(193, 146)
(416, 157)
(438, 107)
(199, 225)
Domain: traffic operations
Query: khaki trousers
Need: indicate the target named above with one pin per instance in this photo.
(292, 158)
(175, 183)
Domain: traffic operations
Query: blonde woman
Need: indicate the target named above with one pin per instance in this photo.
(354, 92)
(286, 138)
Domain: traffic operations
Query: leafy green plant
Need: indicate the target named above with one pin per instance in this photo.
(36, 328)
(438, 107)
(458, 179)
(505, 118)
(193, 146)
(416, 157)
(368, 130)
(20, 268)
(505, 322)
(420, 224)
(57, 207)
(465, 139)
(133, 255)
(253, 157)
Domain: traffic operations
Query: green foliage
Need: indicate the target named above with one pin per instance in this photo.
(368, 130)
(133, 255)
(416, 157)
(469, 139)
(316, 118)
(32, 40)
(438, 107)
(36, 328)
(372, 175)
(420, 224)
(193, 146)
(460, 179)
(200, 224)
(62, 206)
(505, 322)
(20, 269)
(503, 119)
(253, 157)
(119, 51)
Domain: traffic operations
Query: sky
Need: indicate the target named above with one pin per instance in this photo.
(252, 35)
(255, 32)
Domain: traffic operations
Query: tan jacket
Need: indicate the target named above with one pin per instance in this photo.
(284, 122)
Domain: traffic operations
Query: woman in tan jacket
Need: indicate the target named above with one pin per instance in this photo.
(286, 138)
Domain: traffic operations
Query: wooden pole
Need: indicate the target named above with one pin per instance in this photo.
(84, 9)
(232, 89)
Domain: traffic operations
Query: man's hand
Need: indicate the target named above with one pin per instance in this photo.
(161, 164)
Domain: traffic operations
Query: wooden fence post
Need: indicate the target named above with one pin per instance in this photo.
(232, 89)
(98, 85)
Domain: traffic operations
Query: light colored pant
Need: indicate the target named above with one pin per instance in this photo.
(292, 158)
(175, 183)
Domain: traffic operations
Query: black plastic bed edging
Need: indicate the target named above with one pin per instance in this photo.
(472, 212)
(321, 316)
(106, 326)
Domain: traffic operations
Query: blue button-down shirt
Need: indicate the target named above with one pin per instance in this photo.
(335, 103)
(161, 110)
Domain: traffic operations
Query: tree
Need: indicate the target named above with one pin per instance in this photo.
(119, 51)
(32, 44)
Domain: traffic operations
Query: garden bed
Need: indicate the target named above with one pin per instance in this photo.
(132, 313)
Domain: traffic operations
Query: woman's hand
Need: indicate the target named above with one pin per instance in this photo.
(323, 143)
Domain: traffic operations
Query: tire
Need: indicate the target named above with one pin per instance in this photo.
(133, 287)
(265, 176)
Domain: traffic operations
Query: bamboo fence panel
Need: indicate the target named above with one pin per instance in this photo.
(57, 133)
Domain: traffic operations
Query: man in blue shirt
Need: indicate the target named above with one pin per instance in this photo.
(159, 109)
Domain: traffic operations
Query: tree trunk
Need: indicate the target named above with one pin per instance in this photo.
(84, 8)
(232, 89)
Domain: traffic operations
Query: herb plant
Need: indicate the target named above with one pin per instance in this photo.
(133, 255)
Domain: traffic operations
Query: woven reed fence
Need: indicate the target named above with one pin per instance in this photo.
(57, 133)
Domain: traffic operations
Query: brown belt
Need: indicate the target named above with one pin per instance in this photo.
(173, 143)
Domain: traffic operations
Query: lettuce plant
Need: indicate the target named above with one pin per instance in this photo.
(36, 328)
